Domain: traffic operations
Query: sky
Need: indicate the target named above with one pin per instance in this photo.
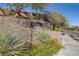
(70, 10)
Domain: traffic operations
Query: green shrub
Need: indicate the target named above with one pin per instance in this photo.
(59, 29)
(42, 36)
(2, 15)
(11, 44)
(43, 49)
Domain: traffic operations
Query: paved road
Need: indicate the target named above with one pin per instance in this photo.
(71, 47)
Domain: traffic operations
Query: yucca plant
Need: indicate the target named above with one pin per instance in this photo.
(11, 44)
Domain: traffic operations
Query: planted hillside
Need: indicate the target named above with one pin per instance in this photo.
(24, 33)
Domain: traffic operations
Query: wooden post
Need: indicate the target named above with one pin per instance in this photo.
(31, 35)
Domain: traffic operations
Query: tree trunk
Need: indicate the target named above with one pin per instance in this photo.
(53, 26)
(9, 10)
(18, 11)
(31, 37)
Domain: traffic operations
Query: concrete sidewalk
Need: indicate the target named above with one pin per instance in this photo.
(71, 47)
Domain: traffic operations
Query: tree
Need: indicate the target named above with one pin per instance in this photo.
(39, 6)
(17, 6)
(57, 19)
(46, 16)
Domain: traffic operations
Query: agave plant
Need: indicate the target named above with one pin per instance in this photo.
(11, 44)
